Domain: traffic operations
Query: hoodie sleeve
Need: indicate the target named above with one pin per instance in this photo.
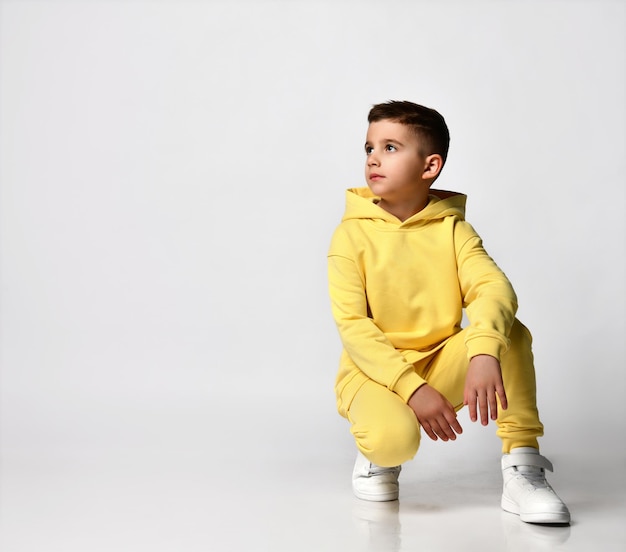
(364, 342)
(488, 297)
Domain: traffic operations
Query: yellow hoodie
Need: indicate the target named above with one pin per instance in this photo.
(398, 290)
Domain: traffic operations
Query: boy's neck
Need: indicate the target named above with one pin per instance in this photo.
(404, 210)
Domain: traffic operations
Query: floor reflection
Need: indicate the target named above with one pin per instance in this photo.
(379, 524)
(522, 537)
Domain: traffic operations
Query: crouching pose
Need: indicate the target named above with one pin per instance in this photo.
(403, 264)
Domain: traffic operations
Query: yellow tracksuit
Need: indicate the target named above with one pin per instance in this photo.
(398, 290)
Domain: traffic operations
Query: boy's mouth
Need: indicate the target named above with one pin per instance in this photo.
(376, 176)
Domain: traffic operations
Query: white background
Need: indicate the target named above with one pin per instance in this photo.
(171, 174)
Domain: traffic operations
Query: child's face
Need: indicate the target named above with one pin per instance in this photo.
(394, 167)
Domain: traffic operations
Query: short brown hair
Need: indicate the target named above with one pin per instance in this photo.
(429, 126)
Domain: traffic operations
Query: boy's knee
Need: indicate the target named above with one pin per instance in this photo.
(390, 445)
(520, 349)
(520, 336)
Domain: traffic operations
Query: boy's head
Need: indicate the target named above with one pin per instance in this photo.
(405, 147)
(427, 124)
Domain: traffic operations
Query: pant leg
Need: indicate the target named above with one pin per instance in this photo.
(385, 428)
(519, 425)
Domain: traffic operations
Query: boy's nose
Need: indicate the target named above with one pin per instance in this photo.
(372, 160)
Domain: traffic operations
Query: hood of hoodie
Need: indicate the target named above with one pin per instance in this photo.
(361, 203)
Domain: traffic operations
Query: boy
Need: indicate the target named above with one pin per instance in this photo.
(403, 264)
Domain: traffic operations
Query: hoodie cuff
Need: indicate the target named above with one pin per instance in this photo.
(485, 346)
(407, 384)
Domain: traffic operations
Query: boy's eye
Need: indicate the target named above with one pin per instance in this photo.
(368, 150)
(390, 147)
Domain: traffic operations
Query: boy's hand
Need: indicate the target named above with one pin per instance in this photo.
(482, 383)
(435, 413)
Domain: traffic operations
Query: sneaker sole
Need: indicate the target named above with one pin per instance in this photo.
(383, 497)
(559, 517)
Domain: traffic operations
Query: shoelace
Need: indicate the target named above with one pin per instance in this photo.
(379, 470)
(535, 476)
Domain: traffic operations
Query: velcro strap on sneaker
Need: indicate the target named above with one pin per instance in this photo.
(525, 459)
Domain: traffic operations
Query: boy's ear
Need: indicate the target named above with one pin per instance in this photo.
(433, 166)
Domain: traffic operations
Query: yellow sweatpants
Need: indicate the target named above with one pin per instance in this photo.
(386, 429)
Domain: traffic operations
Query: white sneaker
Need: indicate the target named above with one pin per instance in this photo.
(526, 491)
(375, 483)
